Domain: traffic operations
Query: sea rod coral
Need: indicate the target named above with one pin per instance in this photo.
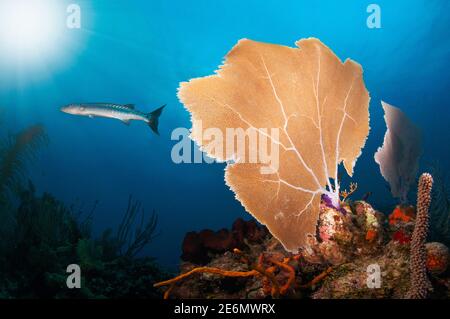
(420, 284)
(318, 104)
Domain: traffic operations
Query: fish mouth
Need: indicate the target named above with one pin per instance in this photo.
(65, 109)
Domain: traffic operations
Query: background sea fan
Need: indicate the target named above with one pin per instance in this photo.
(319, 105)
(15, 151)
(398, 158)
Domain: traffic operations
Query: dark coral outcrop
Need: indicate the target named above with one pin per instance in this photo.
(200, 247)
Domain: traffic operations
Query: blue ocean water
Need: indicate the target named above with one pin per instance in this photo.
(138, 51)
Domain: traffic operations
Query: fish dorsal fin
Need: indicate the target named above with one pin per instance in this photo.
(129, 106)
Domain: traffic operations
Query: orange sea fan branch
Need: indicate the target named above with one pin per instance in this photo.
(210, 270)
(257, 269)
(284, 289)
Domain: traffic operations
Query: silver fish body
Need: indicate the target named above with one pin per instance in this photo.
(122, 112)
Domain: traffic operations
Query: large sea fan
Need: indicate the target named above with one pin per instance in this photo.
(319, 106)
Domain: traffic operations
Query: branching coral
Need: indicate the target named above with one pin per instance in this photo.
(318, 278)
(256, 269)
(210, 270)
(134, 233)
(317, 104)
(133, 236)
(345, 194)
(265, 267)
(420, 284)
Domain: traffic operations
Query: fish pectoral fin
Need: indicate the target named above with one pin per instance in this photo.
(91, 116)
(126, 122)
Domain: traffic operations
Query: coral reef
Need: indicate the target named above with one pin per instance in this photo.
(349, 280)
(420, 284)
(264, 269)
(342, 237)
(302, 102)
(199, 247)
(401, 223)
(438, 258)
(42, 237)
(348, 243)
(402, 214)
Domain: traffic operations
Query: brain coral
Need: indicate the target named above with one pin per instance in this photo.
(319, 106)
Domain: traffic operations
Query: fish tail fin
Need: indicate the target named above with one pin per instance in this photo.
(153, 119)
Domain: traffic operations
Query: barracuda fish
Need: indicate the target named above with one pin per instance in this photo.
(122, 112)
